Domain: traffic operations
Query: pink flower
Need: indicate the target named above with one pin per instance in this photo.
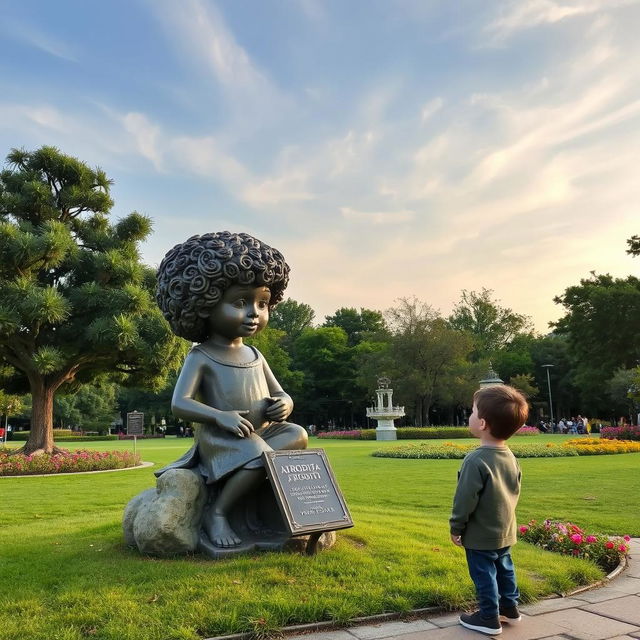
(577, 538)
(627, 538)
(609, 545)
(623, 548)
(591, 539)
(524, 528)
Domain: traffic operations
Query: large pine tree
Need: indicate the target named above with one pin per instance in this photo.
(75, 300)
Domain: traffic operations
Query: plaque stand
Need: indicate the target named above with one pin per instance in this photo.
(312, 543)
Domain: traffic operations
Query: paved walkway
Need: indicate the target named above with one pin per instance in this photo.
(611, 612)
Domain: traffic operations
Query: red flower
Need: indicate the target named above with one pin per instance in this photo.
(609, 545)
(524, 528)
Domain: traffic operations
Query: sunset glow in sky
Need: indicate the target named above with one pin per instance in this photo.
(387, 147)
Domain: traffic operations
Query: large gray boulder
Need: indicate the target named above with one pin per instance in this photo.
(166, 520)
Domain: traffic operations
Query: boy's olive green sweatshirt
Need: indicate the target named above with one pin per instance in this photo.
(486, 497)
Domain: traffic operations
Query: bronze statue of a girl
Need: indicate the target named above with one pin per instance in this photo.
(216, 290)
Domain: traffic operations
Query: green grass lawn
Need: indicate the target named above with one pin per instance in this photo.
(65, 574)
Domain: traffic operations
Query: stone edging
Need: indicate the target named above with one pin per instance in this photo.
(384, 617)
(80, 473)
(610, 576)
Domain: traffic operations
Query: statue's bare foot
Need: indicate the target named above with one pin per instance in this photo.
(219, 531)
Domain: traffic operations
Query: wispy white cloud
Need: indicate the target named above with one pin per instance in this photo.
(287, 188)
(35, 37)
(145, 136)
(199, 32)
(431, 108)
(519, 15)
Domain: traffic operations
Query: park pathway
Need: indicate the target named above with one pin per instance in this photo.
(610, 612)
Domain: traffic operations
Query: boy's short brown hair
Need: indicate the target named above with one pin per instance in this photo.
(503, 408)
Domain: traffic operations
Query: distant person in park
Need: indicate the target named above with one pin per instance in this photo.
(216, 290)
(483, 519)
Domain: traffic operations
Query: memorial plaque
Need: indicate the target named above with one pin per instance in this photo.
(135, 423)
(306, 491)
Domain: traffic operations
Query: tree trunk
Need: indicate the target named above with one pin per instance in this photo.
(418, 412)
(41, 433)
(426, 407)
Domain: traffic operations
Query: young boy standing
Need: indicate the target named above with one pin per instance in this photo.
(483, 517)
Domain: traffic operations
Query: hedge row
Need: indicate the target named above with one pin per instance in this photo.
(403, 433)
(23, 436)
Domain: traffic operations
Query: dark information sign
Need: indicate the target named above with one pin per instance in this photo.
(135, 423)
(306, 491)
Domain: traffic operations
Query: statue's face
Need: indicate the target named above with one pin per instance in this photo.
(241, 313)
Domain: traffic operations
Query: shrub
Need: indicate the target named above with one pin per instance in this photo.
(17, 464)
(620, 433)
(569, 539)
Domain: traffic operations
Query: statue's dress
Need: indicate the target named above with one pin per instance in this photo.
(233, 387)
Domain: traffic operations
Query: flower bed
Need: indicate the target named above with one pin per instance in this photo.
(574, 447)
(527, 431)
(353, 434)
(17, 464)
(620, 433)
(602, 446)
(569, 539)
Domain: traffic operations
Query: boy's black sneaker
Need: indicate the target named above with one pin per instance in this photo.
(490, 626)
(510, 615)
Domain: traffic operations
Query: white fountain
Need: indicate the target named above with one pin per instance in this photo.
(384, 412)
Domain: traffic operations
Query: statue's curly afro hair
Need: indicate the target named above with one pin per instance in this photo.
(193, 276)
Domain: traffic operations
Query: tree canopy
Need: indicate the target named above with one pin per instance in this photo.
(601, 325)
(356, 324)
(292, 317)
(75, 300)
(491, 325)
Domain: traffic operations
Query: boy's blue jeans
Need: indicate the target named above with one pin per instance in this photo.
(494, 576)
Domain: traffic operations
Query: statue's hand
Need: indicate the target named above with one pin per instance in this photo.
(235, 422)
(278, 409)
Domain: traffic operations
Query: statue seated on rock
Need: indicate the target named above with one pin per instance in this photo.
(216, 290)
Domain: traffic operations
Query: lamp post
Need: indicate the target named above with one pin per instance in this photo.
(547, 367)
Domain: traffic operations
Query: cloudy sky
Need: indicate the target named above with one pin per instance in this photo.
(387, 148)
